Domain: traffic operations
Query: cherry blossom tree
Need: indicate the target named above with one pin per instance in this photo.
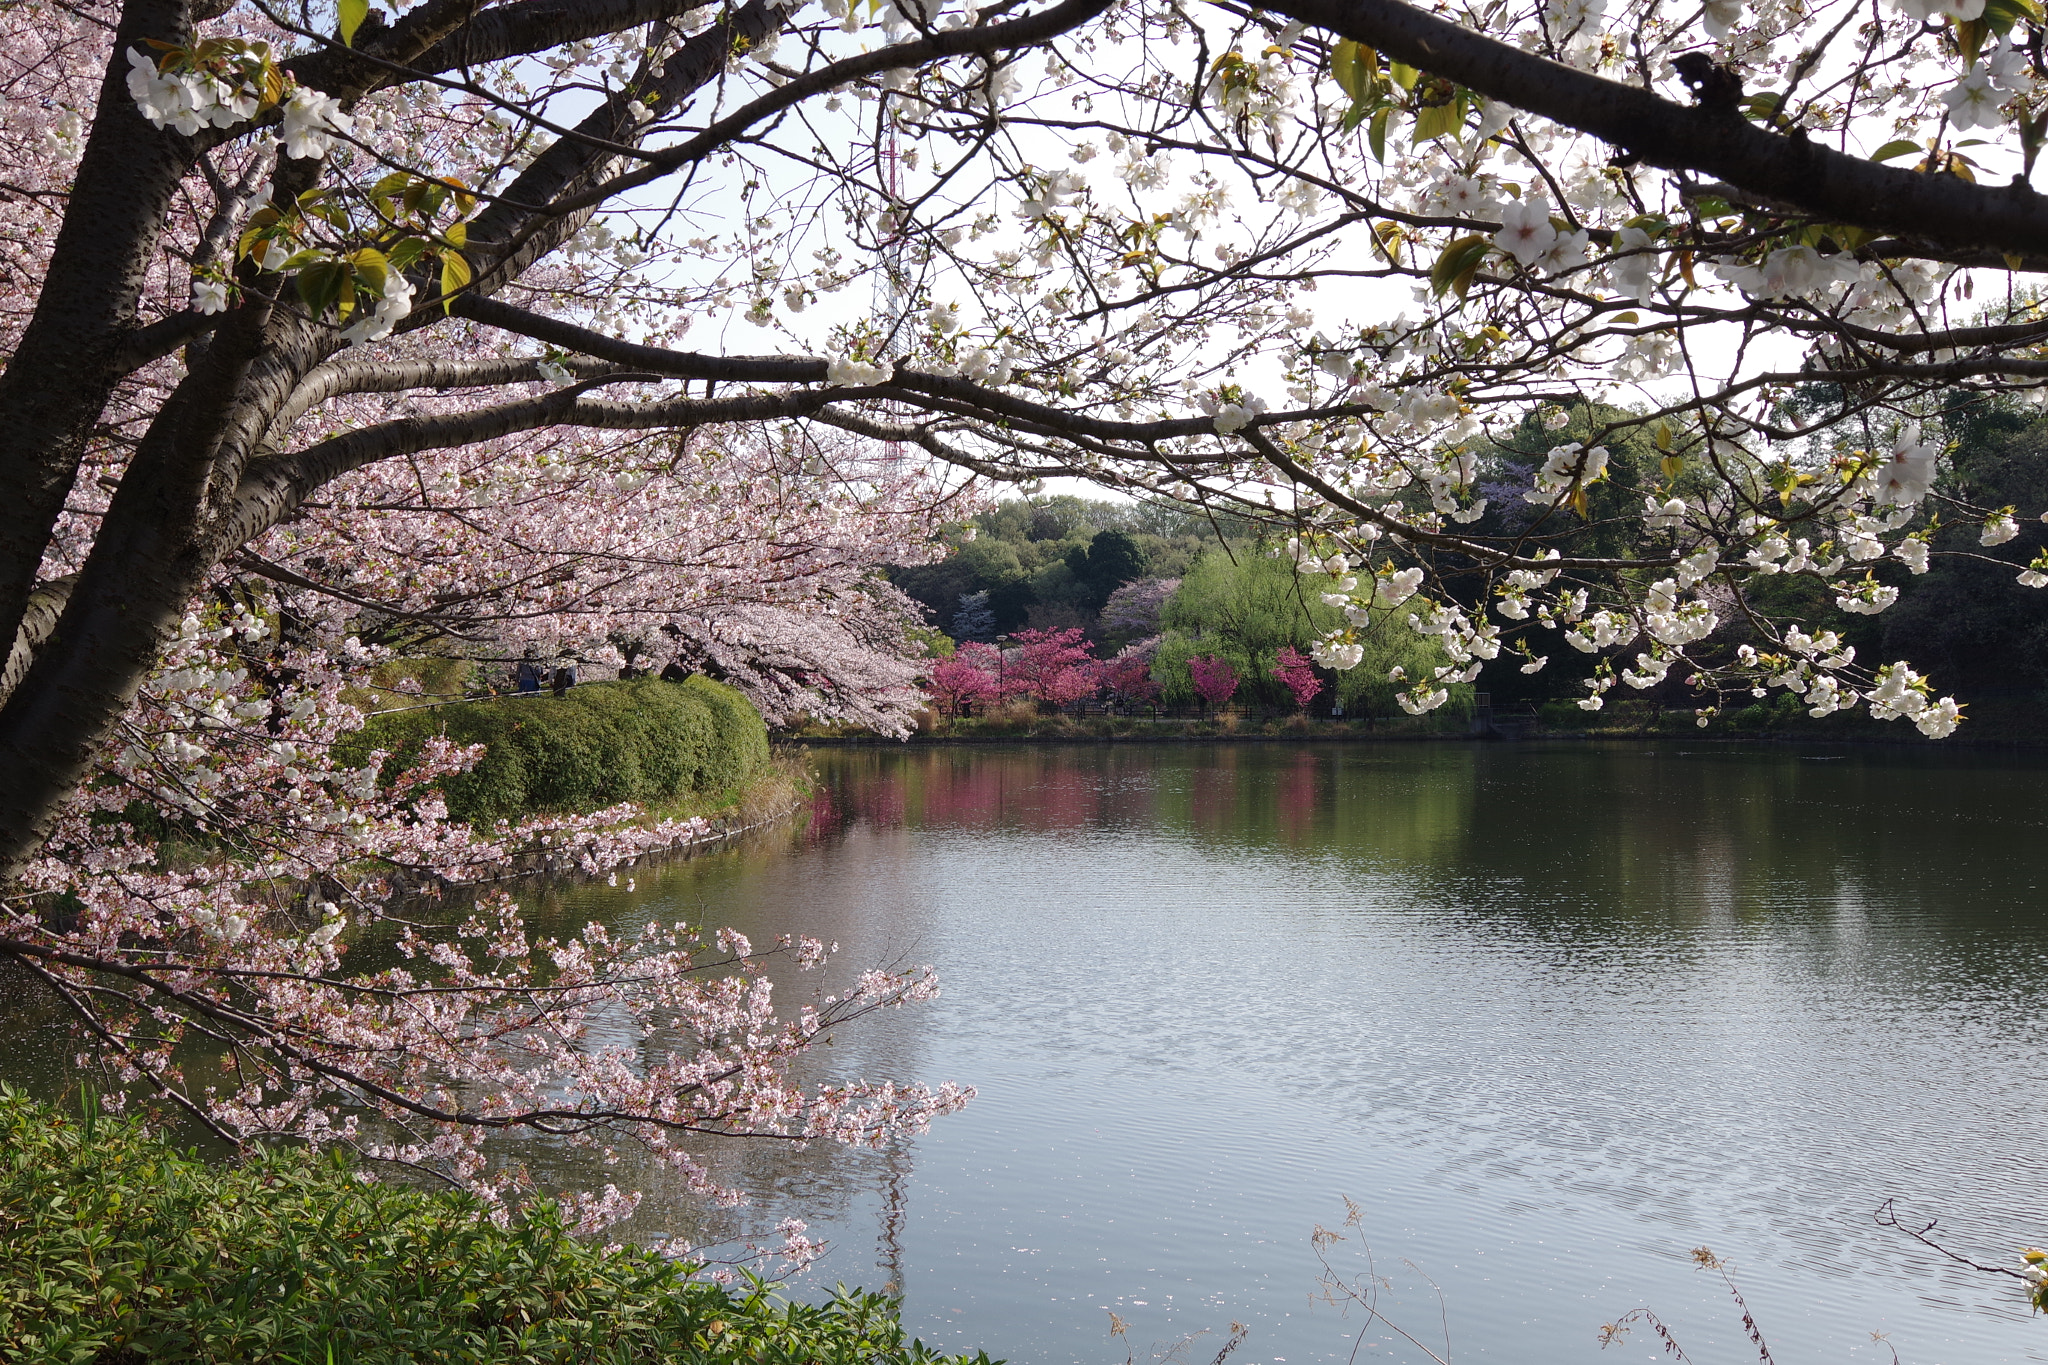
(1127, 674)
(1052, 666)
(1134, 607)
(1215, 680)
(972, 677)
(1298, 673)
(326, 324)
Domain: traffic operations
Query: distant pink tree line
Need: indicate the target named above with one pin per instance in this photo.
(1057, 666)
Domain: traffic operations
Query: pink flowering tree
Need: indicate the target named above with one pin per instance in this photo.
(1134, 608)
(971, 678)
(1054, 666)
(1127, 675)
(1298, 674)
(1215, 680)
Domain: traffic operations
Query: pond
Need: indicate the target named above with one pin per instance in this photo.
(1551, 1015)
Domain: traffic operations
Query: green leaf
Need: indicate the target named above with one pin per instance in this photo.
(457, 235)
(1376, 134)
(1403, 75)
(372, 268)
(320, 285)
(1435, 120)
(405, 252)
(1354, 67)
(352, 13)
(454, 275)
(1970, 36)
(1454, 269)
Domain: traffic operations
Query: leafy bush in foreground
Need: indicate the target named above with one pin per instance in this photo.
(603, 743)
(116, 1247)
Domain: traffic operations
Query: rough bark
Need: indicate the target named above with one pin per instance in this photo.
(1791, 169)
(58, 382)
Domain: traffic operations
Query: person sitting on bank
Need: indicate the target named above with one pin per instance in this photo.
(528, 675)
(565, 674)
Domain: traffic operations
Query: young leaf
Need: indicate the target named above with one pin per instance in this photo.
(320, 284)
(1403, 75)
(1388, 238)
(1460, 261)
(1376, 134)
(1970, 36)
(352, 13)
(371, 267)
(1435, 120)
(405, 252)
(1352, 76)
(454, 275)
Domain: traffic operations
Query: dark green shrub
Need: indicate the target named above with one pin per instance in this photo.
(643, 741)
(115, 1247)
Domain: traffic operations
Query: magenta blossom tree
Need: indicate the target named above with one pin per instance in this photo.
(1050, 665)
(1215, 680)
(1298, 673)
(972, 677)
(1127, 676)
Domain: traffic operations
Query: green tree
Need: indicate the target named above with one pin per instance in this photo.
(1112, 559)
(1243, 604)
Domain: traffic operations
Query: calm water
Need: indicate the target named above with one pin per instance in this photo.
(1551, 1016)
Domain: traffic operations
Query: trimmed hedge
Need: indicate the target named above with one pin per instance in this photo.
(603, 743)
(115, 1248)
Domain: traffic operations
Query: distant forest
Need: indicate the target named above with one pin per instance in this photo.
(1055, 562)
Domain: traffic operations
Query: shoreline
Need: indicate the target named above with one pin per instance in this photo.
(1780, 740)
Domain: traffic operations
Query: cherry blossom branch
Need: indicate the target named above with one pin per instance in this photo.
(1792, 170)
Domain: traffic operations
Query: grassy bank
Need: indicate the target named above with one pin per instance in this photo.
(117, 1248)
(690, 748)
